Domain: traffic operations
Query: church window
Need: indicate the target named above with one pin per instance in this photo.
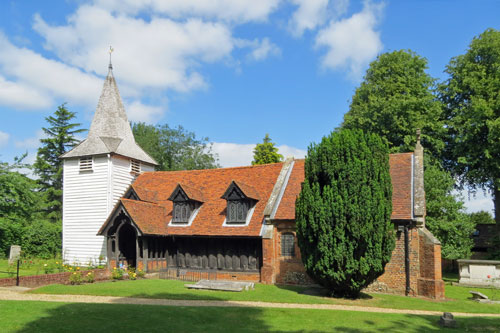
(238, 204)
(288, 245)
(86, 164)
(135, 166)
(183, 206)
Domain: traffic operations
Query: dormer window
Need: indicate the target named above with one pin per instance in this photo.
(86, 164)
(185, 202)
(240, 199)
(135, 166)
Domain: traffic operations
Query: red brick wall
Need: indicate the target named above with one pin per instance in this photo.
(268, 260)
(430, 283)
(42, 280)
(394, 278)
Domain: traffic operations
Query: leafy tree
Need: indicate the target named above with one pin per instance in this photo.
(481, 217)
(21, 219)
(472, 100)
(395, 98)
(266, 152)
(48, 165)
(446, 217)
(343, 212)
(175, 148)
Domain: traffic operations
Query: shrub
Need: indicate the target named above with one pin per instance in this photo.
(117, 273)
(75, 278)
(344, 230)
(90, 277)
(140, 273)
(42, 239)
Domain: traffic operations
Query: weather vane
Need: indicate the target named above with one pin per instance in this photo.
(110, 51)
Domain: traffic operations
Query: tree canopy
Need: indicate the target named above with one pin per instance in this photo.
(472, 110)
(175, 148)
(48, 166)
(396, 97)
(266, 152)
(343, 212)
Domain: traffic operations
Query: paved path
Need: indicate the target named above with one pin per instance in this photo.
(18, 294)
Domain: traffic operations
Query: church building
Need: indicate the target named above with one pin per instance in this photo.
(229, 223)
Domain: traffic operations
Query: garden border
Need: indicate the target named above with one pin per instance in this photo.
(32, 281)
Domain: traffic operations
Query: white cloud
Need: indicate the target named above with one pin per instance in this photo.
(4, 138)
(478, 201)
(309, 15)
(22, 96)
(33, 142)
(138, 112)
(41, 79)
(260, 48)
(239, 11)
(288, 151)
(234, 154)
(160, 53)
(352, 42)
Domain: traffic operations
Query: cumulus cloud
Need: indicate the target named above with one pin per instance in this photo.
(160, 53)
(4, 138)
(352, 42)
(138, 112)
(239, 11)
(41, 79)
(309, 15)
(234, 154)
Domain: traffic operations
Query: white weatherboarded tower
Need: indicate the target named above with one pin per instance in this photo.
(96, 174)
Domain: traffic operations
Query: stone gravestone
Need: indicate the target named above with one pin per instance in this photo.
(447, 320)
(15, 254)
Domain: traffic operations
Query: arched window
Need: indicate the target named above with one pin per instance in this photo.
(288, 245)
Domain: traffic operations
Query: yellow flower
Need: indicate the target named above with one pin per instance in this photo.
(44, 265)
(57, 263)
(74, 273)
(114, 267)
(78, 268)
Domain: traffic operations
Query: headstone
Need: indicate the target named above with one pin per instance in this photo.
(15, 254)
(447, 320)
(477, 296)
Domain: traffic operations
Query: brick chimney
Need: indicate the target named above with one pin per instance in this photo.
(418, 184)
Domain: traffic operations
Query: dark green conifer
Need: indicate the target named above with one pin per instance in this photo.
(343, 212)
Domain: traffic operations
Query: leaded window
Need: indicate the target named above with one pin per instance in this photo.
(237, 211)
(288, 245)
(182, 211)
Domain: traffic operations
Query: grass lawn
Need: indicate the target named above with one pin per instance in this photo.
(168, 289)
(30, 316)
(27, 267)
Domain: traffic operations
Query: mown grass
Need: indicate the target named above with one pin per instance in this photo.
(27, 267)
(458, 298)
(30, 316)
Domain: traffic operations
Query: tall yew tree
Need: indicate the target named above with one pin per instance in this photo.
(396, 97)
(472, 99)
(343, 212)
(48, 166)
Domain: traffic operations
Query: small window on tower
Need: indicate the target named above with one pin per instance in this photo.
(135, 166)
(85, 164)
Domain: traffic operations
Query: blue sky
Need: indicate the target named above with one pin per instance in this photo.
(230, 70)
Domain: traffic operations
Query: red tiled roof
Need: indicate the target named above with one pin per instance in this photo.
(212, 183)
(286, 208)
(401, 178)
(400, 166)
(153, 217)
(149, 217)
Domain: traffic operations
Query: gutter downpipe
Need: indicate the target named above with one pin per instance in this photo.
(407, 260)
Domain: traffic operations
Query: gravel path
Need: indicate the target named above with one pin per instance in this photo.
(18, 294)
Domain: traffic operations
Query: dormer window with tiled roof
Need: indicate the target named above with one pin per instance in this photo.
(186, 201)
(240, 199)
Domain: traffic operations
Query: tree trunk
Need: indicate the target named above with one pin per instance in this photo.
(496, 203)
